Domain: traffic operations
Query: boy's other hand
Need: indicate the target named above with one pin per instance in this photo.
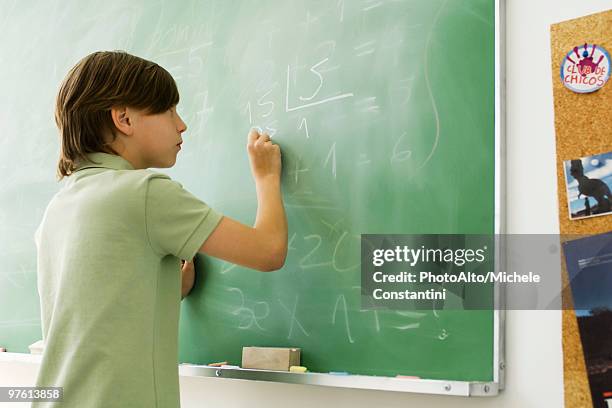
(265, 157)
(187, 277)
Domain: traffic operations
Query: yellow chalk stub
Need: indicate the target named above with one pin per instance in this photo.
(297, 369)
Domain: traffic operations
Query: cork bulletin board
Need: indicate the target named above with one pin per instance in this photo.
(583, 127)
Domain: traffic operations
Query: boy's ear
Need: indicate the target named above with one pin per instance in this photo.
(121, 119)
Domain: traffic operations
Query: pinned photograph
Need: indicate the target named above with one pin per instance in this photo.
(589, 181)
(589, 268)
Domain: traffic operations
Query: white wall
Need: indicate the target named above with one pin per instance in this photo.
(534, 361)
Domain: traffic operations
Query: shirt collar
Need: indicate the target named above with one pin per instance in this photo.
(104, 160)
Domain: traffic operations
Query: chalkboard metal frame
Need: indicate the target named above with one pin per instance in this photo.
(424, 386)
(458, 388)
(499, 315)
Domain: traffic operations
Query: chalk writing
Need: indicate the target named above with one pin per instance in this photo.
(335, 255)
(251, 318)
(304, 125)
(307, 265)
(400, 155)
(294, 320)
(340, 7)
(342, 300)
(373, 311)
(332, 155)
(365, 48)
(325, 100)
(262, 103)
(371, 4)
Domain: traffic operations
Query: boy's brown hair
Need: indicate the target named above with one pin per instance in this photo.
(97, 83)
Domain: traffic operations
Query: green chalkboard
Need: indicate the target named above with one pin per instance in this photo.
(385, 114)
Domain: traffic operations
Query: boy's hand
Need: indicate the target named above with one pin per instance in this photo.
(265, 157)
(187, 277)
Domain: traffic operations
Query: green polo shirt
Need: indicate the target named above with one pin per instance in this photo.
(109, 249)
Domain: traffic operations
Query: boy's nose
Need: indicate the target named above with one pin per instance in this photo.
(182, 126)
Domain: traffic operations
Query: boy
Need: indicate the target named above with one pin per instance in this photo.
(112, 239)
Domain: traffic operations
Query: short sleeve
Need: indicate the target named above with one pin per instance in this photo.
(177, 222)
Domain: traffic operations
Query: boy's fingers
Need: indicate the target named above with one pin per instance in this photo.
(253, 135)
(262, 139)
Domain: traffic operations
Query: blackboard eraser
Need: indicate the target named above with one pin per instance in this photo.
(270, 358)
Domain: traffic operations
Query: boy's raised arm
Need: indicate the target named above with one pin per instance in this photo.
(263, 246)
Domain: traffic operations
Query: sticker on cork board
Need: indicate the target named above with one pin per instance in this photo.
(585, 68)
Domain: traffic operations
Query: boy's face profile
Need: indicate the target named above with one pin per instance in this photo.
(147, 140)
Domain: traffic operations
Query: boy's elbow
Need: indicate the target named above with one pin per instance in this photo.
(278, 261)
(275, 259)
